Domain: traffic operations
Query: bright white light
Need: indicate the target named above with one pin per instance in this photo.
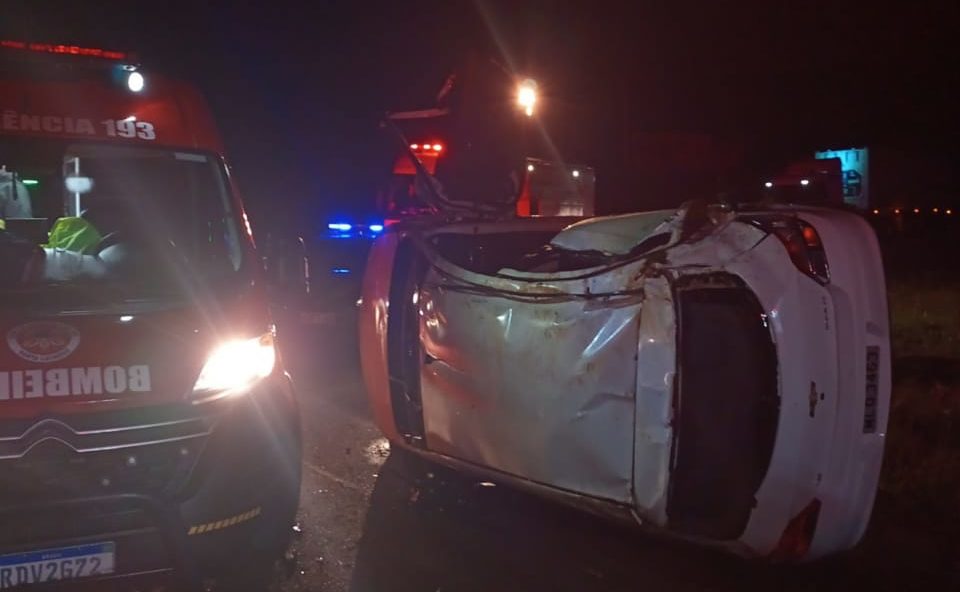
(130, 118)
(576, 173)
(135, 82)
(126, 318)
(527, 96)
(341, 226)
(78, 184)
(376, 228)
(237, 365)
(804, 182)
(377, 451)
(530, 167)
(768, 184)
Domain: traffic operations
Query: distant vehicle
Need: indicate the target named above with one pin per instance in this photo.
(335, 258)
(555, 189)
(720, 375)
(864, 178)
(816, 182)
(146, 423)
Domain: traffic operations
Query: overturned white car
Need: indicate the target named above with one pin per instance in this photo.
(715, 373)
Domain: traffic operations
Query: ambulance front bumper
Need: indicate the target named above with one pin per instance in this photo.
(220, 493)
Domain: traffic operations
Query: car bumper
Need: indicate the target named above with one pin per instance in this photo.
(852, 472)
(230, 500)
(828, 452)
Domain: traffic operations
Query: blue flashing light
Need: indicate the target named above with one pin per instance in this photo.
(340, 226)
(340, 271)
(376, 227)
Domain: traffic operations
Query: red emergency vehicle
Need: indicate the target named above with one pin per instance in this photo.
(811, 181)
(146, 423)
(546, 188)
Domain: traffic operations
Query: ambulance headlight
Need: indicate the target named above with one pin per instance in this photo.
(235, 366)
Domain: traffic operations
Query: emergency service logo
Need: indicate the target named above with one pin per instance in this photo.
(43, 341)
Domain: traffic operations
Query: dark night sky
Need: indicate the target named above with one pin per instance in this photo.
(296, 86)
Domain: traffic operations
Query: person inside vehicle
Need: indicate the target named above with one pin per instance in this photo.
(19, 258)
(14, 197)
(73, 249)
(110, 235)
(103, 238)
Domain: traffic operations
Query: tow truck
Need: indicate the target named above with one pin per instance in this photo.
(147, 427)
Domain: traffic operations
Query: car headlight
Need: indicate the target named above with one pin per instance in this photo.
(235, 366)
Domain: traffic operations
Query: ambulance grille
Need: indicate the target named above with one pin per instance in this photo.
(51, 470)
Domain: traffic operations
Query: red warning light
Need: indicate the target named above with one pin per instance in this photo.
(810, 237)
(427, 147)
(76, 50)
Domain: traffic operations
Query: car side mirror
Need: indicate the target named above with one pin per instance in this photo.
(287, 269)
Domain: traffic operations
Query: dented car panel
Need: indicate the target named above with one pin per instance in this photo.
(542, 391)
(372, 331)
(656, 373)
(681, 367)
(613, 234)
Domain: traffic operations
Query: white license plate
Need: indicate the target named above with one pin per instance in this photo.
(65, 563)
(873, 390)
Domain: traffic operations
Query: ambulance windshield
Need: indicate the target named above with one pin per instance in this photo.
(126, 222)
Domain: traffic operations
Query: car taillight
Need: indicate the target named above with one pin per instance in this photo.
(798, 535)
(802, 243)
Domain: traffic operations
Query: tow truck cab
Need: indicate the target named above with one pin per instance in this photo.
(338, 256)
(146, 423)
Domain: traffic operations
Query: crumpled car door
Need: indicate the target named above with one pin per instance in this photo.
(544, 390)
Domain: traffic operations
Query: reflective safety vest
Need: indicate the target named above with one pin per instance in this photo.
(74, 234)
